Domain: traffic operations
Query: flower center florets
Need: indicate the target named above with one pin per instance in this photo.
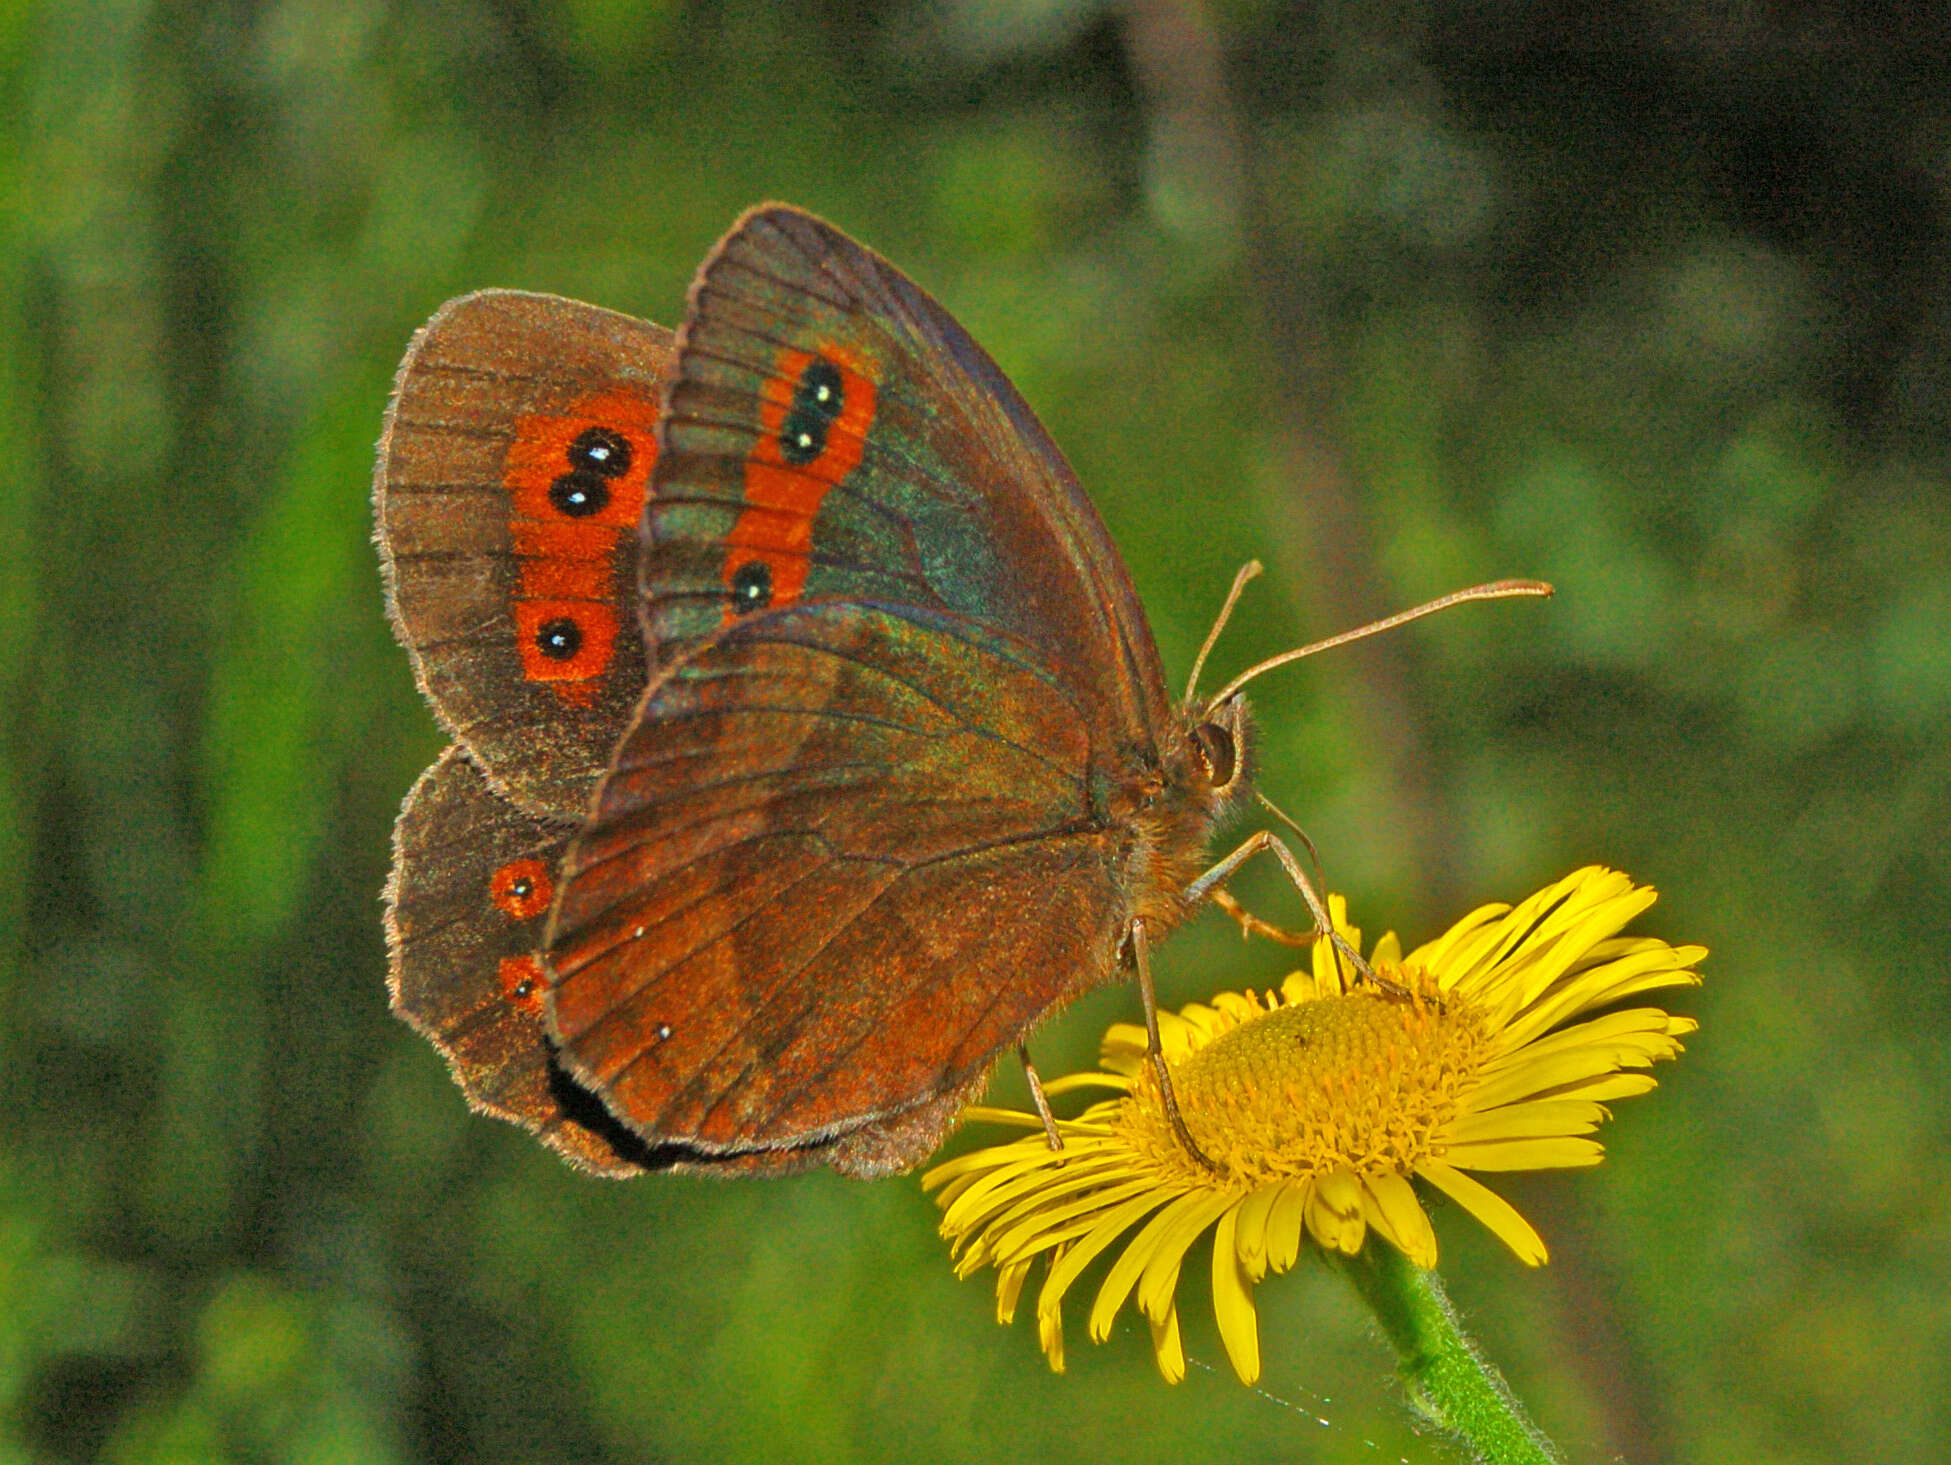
(1363, 1082)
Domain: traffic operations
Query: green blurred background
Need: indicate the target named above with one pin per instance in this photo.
(1396, 297)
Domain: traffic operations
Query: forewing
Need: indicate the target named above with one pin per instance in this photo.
(511, 477)
(835, 434)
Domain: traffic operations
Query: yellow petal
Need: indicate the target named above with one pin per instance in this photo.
(1399, 1216)
(950, 1188)
(1572, 933)
(1454, 949)
(1600, 987)
(1254, 1211)
(1237, 1007)
(1626, 1025)
(1161, 1278)
(1593, 902)
(1073, 1171)
(1024, 1177)
(1130, 1266)
(1334, 1212)
(1086, 1249)
(975, 1163)
(1075, 1232)
(1086, 1079)
(1614, 1086)
(1520, 1080)
(1239, 1330)
(1050, 1333)
(989, 1114)
(1527, 1154)
(1331, 971)
(1009, 1287)
(1168, 1348)
(1285, 1223)
(985, 1171)
(1533, 1119)
(1010, 1238)
(1633, 1038)
(1490, 1208)
(1517, 933)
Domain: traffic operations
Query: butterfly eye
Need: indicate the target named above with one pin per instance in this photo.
(1217, 753)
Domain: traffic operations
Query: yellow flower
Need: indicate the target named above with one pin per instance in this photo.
(1318, 1105)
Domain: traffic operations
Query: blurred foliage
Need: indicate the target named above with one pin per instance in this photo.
(1652, 303)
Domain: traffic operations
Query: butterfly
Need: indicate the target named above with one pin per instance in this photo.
(810, 742)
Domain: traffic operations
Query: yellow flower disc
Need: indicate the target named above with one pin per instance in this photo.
(1365, 1082)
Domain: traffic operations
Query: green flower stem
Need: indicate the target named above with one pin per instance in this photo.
(1448, 1381)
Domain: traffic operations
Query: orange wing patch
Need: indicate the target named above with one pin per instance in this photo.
(521, 983)
(522, 889)
(576, 482)
(814, 413)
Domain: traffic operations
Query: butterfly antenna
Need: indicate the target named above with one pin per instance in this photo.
(1248, 572)
(1313, 854)
(1495, 590)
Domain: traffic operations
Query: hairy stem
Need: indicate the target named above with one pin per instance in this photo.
(1448, 1381)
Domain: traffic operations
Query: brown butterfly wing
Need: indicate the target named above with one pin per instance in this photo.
(872, 819)
(934, 487)
(818, 893)
(472, 880)
(511, 477)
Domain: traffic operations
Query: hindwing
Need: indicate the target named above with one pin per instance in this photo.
(473, 878)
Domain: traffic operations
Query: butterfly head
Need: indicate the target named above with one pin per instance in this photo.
(1220, 743)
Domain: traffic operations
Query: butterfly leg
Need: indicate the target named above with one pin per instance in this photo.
(1141, 953)
(1039, 1098)
(1204, 887)
(1252, 925)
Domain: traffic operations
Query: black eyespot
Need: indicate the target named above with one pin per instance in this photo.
(1215, 747)
(559, 639)
(601, 450)
(580, 494)
(817, 400)
(751, 586)
(523, 888)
